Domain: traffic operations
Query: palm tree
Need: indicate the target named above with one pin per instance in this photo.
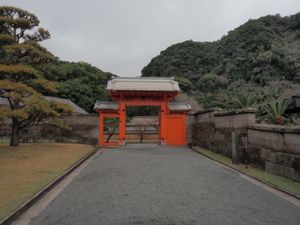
(275, 92)
(275, 111)
(245, 101)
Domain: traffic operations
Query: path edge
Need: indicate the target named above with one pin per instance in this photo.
(26, 205)
(241, 172)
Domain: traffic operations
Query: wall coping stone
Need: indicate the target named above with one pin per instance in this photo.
(236, 112)
(275, 128)
(80, 115)
(204, 111)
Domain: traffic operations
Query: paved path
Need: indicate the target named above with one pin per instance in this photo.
(163, 186)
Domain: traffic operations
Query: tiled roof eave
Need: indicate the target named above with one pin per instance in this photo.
(143, 84)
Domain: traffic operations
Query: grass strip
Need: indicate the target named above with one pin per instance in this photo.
(275, 180)
(27, 169)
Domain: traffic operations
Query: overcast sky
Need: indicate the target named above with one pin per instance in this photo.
(122, 36)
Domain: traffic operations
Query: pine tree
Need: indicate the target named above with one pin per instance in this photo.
(21, 80)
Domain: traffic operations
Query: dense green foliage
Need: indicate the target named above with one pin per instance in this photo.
(247, 60)
(275, 111)
(80, 82)
(21, 80)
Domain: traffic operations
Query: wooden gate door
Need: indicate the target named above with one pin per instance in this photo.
(176, 129)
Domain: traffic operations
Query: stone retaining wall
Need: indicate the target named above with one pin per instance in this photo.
(276, 149)
(213, 129)
(273, 148)
(82, 129)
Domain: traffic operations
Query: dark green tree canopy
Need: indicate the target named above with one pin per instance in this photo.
(80, 82)
(255, 54)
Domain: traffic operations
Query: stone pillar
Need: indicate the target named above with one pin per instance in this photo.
(234, 149)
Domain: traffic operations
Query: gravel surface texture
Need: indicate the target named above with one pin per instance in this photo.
(163, 186)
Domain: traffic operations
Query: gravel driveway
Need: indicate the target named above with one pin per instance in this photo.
(163, 186)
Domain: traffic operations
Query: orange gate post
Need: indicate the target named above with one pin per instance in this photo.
(122, 122)
(101, 128)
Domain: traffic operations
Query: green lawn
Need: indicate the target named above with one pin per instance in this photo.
(278, 181)
(27, 169)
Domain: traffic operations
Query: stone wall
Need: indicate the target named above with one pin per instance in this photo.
(190, 120)
(273, 148)
(276, 149)
(82, 129)
(213, 129)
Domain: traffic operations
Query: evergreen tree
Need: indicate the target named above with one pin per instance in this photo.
(21, 81)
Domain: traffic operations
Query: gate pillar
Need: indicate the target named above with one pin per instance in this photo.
(163, 122)
(101, 128)
(122, 122)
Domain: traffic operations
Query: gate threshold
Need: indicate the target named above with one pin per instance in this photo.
(136, 144)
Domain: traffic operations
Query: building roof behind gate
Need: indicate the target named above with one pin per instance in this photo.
(179, 106)
(161, 84)
(101, 105)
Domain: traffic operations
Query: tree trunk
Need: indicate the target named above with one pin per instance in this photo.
(15, 133)
(141, 138)
(108, 138)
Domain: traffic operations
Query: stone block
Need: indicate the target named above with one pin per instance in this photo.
(255, 156)
(267, 154)
(282, 170)
(234, 120)
(266, 139)
(205, 117)
(292, 143)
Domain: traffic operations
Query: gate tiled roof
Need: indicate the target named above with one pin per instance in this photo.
(143, 84)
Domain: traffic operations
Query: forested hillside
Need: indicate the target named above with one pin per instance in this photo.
(261, 56)
(80, 82)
